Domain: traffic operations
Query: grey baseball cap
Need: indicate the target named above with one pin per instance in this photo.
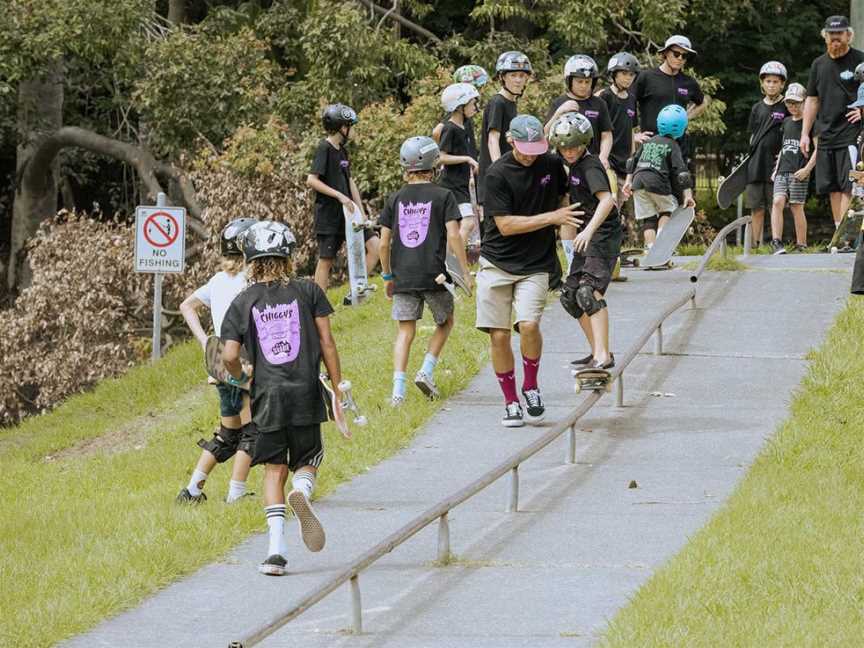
(678, 40)
(527, 134)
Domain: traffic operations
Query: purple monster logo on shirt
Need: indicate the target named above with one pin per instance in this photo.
(545, 180)
(278, 331)
(683, 91)
(414, 223)
(575, 180)
(778, 116)
(592, 114)
(631, 113)
(343, 164)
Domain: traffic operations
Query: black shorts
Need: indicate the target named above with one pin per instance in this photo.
(760, 195)
(294, 445)
(329, 244)
(832, 171)
(592, 271)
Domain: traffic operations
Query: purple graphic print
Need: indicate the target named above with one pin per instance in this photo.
(545, 180)
(683, 91)
(278, 332)
(631, 113)
(414, 223)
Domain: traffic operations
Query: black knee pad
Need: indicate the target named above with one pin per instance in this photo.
(651, 223)
(587, 301)
(248, 434)
(223, 445)
(570, 303)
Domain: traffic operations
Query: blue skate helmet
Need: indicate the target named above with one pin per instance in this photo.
(672, 121)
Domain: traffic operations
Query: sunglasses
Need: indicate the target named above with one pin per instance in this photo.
(680, 55)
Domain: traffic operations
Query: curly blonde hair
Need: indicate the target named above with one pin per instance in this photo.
(233, 265)
(270, 269)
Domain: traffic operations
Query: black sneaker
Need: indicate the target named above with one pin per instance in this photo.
(583, 361)
(185, 497)
(801, 248)
(777, 247)
(534, 405)
(273, 566)
(513, 416)
(846, 249)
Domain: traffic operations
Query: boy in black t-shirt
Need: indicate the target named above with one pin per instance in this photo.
(283, 323)
(330, 178)
(766, 119)
(791, 174)
(417, 224)
(513, 70)
(596, 247)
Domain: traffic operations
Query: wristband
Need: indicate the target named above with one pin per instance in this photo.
(236, 382)
(387, 276)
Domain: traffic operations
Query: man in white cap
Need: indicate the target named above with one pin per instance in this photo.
(831, 87)
(668, 84)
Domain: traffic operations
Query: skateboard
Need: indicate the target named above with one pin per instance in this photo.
(472, 245)
(214, 365)
(631, 257)
(668, 238)
(613, 183)
(348, 404)
(592, 379)
(733, 185)
(454, 270)
(356, 246)
(847, 231)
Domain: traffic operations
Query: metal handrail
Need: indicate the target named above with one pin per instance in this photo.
(720, 239)
(351, 574)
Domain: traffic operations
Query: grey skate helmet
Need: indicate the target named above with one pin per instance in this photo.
(267, 239)
(513, 61)
(582, 66)
(569, 130)
(335, 116)
(622, 62)
(859, 101)
(458, 94)
(419, 153)
(859, 73)
(773, 67)
(228, 241)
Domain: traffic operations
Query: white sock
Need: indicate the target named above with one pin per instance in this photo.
(275, 514)
(196, 483)
(304, 481)
(236, 490)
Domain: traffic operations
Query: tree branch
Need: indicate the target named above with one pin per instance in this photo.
(402, 20)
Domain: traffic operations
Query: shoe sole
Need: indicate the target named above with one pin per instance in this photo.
(534, 419)
(513, 424)
(426, 389)
(311, 530)
(271, 570)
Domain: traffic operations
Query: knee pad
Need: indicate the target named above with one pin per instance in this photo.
(248, 434)
(650, 223)
(570, 303)
(587, 301)
(223, 445)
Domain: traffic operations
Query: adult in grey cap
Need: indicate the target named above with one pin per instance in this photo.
(525, 189)
(669, 84)
(831, 87)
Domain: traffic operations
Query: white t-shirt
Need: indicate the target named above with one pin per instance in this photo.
(218, 293)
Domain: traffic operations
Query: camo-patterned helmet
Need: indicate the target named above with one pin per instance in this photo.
(457, 95)
(473, 74)
(773, 67)
(419, 153)
(335, 116)
(513, 61)
(581, 66)
(569, 130)
(267, 239)
(228, 241)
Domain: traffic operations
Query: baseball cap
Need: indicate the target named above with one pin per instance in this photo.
(527, 134)
(837, 24)
(795, 92)
(679, 41)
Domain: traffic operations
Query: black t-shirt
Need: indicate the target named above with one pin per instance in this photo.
(622, 113)
(654, 90)
(516, 190)
(588, 178)
(765, 139)
(791, 158)
(595, 109)
(658, 163)
(833, 82)
(332, 168)
(455, 141)
(417, 215)
(497, 115)
(276, 323)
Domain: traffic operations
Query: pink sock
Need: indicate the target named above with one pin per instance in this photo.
(507, 381)
(530, 367)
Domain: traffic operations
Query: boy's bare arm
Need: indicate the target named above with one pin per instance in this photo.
(189, 309)
(316, 183)
(493, 144)
(328, 352)
(384, 250)
(606, 140)
(231, 358)
(454, 240)
(358, 199)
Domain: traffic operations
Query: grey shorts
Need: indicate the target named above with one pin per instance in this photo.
(650, 204)
(408, 306)
(795, 191)
(500, 293)
(760, 195)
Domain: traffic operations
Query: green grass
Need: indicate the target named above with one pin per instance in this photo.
(89, 522)
(781, 563)
(718, 263)
(738, 250)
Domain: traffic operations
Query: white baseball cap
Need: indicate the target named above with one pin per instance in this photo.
(679, 41)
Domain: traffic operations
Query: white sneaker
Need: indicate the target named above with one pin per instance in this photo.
(426, 385)
(396, 401)
(535, 410)
(311, 530)
(273, 566)
(513, 415)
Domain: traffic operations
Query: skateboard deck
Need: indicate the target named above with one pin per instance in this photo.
(472, 245)
(592, 379)
(631, 257)
(668, 238)
(451, 264)
(848, 230)
(214, 365)
(356, 246)
(733, 185)
(348, 405)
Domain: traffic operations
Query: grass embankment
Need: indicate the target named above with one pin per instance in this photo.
(89, 525)
(781, 564)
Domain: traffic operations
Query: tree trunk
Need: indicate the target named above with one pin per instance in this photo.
(177, 12)
(40, 111)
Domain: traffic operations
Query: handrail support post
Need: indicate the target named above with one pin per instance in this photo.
(356, 606)
(444, 539)
(571, 446)
(513, 496)
(619, 390)
(658, 340)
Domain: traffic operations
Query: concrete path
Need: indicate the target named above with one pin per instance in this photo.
(554, 573)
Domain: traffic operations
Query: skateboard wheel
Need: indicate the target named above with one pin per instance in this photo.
(361, 420)
(635, 263)
(345, 385)
(834, 250)
(577, 387)
(608, 387)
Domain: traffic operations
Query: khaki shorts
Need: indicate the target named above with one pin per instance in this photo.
(499, 293)
(650, 204)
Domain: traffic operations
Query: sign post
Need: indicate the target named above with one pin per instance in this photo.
(160, 247)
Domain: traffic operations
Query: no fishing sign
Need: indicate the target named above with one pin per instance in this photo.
(160, 239)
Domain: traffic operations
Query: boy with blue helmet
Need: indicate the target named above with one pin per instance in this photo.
(654, 172)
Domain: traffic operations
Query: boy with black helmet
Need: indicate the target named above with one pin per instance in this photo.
(284, 324)
(622, 70)
(766, 139)
(417, 224)
(513, 71)
(330, 179)
(236, 434)
(596, 248)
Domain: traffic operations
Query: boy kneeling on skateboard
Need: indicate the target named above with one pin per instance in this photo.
(417, 224)
(236, 435)
(283, 323)
(596, 246)
(653, 173)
